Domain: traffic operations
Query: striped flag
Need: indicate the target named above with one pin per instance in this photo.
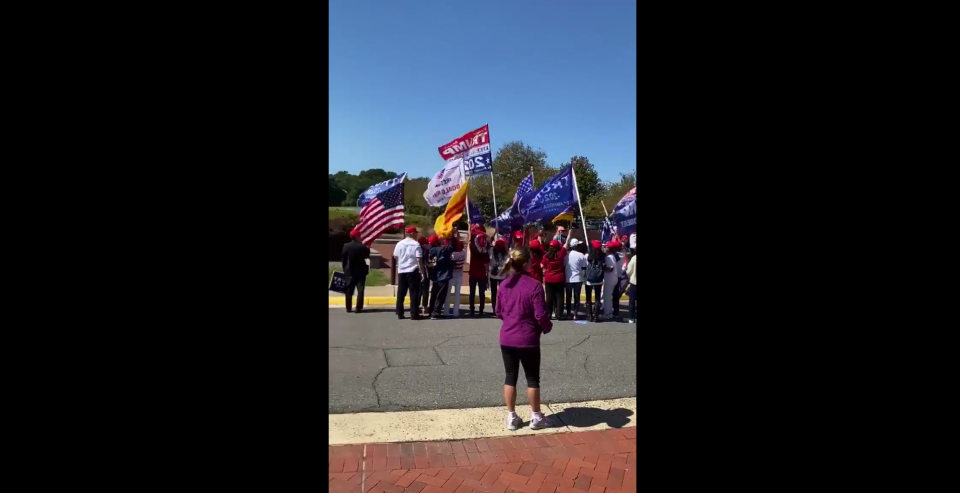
(566, 215)
(382, 212)
(444, 223)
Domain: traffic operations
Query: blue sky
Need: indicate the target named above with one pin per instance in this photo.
(407, 76)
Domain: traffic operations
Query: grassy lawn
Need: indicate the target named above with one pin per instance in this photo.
(374, 278)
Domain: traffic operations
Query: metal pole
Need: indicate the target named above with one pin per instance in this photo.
(577, 189)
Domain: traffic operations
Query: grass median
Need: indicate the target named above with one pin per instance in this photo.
(376, 277)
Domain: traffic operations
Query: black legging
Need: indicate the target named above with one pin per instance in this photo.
(473, 289)
(596, 306)
(573, 296)
(493, 294)
(555, 297)
(513, 357)
(632, 293)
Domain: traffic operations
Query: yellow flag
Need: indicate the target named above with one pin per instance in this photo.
(455, 207)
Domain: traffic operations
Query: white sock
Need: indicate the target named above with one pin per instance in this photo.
(537, 415)
(511, 414)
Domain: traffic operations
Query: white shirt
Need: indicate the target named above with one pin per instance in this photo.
(407, 252)
(573, 268)
(611, 277)
(633, 241)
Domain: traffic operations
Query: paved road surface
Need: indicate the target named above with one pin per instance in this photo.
(379, 363)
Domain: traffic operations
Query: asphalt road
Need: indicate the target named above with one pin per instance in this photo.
(379, 363)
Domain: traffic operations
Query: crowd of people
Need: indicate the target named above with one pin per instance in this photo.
(529, 287)
(428, 269)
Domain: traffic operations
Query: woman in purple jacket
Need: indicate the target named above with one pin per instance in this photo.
(524, 313)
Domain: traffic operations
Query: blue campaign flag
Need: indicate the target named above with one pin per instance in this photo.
(372, 192)
(625, 213)
(555, 195)
(475, 217)
(511, 220)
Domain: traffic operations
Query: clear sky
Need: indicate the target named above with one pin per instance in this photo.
(407, 76)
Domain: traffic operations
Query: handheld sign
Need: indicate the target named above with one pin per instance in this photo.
(338, 283)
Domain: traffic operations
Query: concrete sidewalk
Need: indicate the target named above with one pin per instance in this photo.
(387, 296)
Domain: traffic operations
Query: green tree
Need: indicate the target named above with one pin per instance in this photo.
(335, 195)
(612, 194)
(588, 181)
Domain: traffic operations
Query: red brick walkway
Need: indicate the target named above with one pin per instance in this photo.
(588, 461)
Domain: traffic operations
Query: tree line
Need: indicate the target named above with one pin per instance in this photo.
(512, 163)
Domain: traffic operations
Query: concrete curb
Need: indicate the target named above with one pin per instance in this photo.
(468, 424)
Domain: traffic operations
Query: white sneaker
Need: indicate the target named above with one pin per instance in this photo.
(539, 422)
(513, 422)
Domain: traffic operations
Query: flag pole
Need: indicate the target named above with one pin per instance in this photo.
(533, 183)
(577, 189)
(492, 187)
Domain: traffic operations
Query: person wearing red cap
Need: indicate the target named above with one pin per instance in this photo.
(596, 268)
(536, 259)
(441, 261)
(459, 257)
(499, 256)
(553, 263)
(354, 263)
(411, 271)
(425, 283)
(479, 266)
(611, 277)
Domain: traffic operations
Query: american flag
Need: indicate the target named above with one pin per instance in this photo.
(606, 231)
(381, 213)
(526, 186)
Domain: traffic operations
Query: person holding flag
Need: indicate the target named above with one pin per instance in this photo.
(479, 265)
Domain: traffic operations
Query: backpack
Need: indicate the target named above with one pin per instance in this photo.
(595, 271)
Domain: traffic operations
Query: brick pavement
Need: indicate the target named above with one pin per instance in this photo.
(587, 461)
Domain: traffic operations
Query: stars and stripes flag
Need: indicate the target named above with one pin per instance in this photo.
(511, 220)
(382, 212)
(526, 186)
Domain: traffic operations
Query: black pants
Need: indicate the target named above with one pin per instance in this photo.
(596, 306)
(555, 297)
(438, 297)
(358, 282)
(617, 294)
(573, 296)
(493, 294)
(411, 281)
(483, 291)
(632, 293)
(529, 357)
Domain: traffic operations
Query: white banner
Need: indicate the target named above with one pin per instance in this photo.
(445, 183)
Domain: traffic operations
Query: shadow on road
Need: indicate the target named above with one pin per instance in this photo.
(374, 310)
(583, 417)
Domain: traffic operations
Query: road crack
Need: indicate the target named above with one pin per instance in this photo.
(567, 352)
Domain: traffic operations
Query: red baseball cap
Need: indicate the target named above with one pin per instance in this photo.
(423, 240)
(354, 234)
(500, 242)
(613, 244)
(595, 243)
(535, 244)
(412, 229)
(554, 243)
(518, 235)
(434, 239)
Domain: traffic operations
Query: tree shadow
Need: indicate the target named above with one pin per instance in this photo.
(584, 417)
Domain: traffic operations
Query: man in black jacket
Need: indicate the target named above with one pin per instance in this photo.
(355, 269)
